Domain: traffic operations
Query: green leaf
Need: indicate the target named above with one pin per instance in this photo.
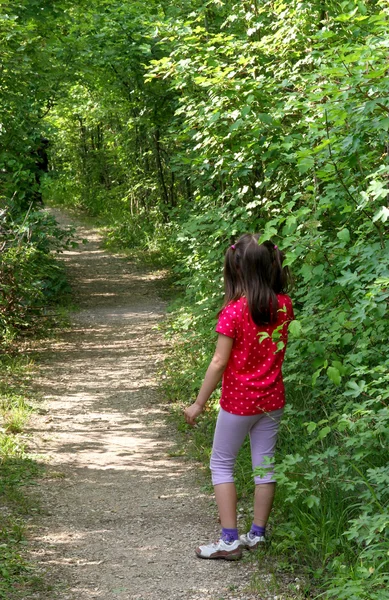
(305, 164)
(238, 123)
(311, 426)
(355, 389)
(344, 235)
(294, 328)
(269, 232)
(384, 123)
(334, 375)
(266, 118)
(263, 335)
(307, 272)
(312, 501)
(315, 377)
(324, 432)
(347, 337)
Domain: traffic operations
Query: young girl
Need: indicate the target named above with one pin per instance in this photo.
(253, 395)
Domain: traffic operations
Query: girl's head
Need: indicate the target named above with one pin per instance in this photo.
(255, 271)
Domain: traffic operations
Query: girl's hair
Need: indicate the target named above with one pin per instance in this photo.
(255, 271)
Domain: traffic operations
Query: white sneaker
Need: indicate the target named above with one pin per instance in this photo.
(251, 541)
(221, 549)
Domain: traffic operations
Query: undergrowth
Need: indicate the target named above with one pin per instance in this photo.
(330, 519)
(32, 281)
(183, 372)
(34, 301)
(17, 469)
(319, 507)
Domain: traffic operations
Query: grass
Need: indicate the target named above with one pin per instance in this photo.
(17, 469)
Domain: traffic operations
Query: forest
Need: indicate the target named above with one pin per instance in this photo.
(180, 126)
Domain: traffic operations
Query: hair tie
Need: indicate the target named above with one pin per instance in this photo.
(233, 246)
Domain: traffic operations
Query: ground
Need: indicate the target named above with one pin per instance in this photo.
(121, 513)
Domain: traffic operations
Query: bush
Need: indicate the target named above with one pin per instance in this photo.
(31, 278)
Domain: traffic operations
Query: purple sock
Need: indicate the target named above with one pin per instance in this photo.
(257, 530)
(229, 535)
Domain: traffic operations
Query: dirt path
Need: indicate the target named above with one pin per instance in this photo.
(121, 515)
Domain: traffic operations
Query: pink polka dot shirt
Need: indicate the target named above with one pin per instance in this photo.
(252, 381)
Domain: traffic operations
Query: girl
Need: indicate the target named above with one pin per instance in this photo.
(249, 357)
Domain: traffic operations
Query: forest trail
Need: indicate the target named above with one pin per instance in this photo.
(121, 515)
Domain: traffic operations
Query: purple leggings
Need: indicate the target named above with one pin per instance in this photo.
(230, 433)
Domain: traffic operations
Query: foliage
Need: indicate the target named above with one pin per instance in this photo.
(32, 77)
(34, 68)
(17, 468)
(274, 141)
(31, 278)
(184, 125)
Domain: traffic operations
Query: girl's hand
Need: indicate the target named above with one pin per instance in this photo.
(192, 412)
(212, 377)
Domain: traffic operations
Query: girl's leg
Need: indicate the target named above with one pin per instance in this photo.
(230, 433)
(225, 494)
(263, 438)
(263, 502)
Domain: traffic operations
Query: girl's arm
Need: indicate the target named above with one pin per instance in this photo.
(212, 377)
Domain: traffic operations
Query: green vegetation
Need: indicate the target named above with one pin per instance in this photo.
(32, 281)
(17, 469)
(183, 125)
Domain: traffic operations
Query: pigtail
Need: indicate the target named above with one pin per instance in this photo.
(281, 275)
(255, 271)
(232, 278)
(257, 275)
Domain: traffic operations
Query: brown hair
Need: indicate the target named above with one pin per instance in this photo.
(255, 271)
